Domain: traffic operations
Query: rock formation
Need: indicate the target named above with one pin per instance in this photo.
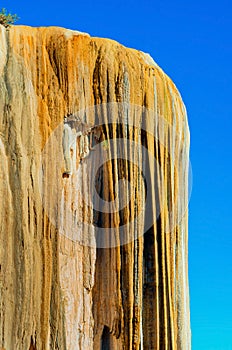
(97, 260)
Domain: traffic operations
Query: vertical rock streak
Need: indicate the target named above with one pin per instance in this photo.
(56, 292)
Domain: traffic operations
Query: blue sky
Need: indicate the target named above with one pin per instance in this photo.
(192, 42)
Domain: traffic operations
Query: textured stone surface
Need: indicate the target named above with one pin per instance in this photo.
(56, 292)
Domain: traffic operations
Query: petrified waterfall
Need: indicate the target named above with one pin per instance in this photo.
(96, 260)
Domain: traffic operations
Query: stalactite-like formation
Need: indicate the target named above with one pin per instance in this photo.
(97, 260)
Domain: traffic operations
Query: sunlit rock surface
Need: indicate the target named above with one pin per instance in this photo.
(76, 274)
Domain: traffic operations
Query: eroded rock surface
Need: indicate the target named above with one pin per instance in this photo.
(74, 275)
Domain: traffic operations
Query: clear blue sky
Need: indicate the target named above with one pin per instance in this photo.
(192, 42)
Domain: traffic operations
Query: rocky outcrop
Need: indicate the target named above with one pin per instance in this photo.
(97, 260)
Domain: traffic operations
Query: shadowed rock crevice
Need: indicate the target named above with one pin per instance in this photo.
(106, 343)
(32, 345)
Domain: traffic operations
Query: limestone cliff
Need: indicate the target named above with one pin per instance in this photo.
(97, 260)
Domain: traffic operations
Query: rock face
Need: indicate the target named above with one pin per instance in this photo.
(97, 260)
